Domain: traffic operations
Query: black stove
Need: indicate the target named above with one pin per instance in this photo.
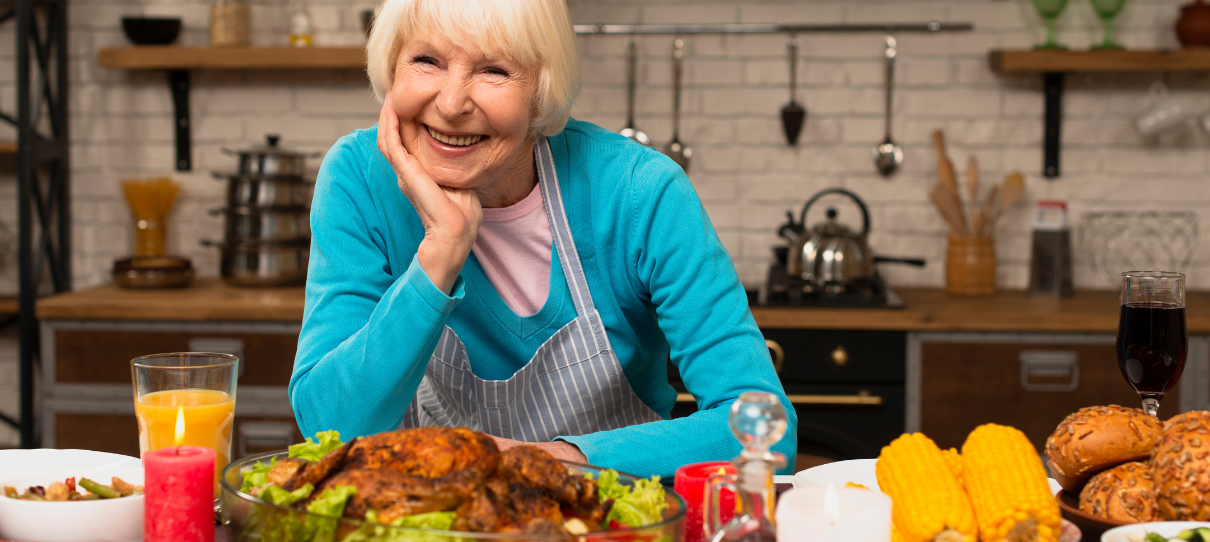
(782, 290)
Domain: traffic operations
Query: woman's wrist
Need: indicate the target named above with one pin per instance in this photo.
(442, 263)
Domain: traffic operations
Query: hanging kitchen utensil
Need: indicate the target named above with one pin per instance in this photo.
(632, 63)
(677, 151)
(793, 114)
(888, 156)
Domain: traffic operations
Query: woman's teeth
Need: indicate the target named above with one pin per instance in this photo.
(456, 141)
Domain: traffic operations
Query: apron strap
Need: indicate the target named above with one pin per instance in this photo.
(560, 228)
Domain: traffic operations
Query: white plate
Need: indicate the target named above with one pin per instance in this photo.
(1136, 532)
(858, 471)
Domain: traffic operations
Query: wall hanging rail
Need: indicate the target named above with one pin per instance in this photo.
(687, 29)
(178, 61)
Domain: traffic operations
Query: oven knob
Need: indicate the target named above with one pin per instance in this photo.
(840, 357)
(778, 355)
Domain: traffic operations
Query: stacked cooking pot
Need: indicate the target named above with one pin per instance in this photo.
(267, 217)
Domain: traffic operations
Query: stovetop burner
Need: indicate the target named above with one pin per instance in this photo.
(782, 290)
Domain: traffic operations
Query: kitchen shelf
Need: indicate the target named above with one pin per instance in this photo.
(8, 147)
(234, 58)
(177, 61)
(1176, 60)
(1053, 65)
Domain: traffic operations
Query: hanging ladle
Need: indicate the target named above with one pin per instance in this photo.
(632, 62)
(677, 151)
(793, 115)
(888, 156)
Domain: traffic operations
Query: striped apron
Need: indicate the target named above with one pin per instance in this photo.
(573, 385)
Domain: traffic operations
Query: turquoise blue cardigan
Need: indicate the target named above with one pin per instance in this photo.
(662, 282)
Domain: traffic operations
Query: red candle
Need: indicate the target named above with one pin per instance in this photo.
(178, 495)
(690, 484)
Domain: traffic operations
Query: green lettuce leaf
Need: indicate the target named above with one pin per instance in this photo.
(257, 476)
(325, 441)
(280, 497)
(331, 505)
(378, 533)
(635, 505)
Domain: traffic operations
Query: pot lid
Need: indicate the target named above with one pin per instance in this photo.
(833, 228)
(271, 147)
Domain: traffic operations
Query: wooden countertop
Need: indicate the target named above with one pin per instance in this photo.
(204, 300)
(927, 310)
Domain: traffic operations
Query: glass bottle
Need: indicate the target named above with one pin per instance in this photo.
(300, 24)
(758, 421)
(229, 23)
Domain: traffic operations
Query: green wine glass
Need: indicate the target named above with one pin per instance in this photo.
(1108, 9)
(1050, 10)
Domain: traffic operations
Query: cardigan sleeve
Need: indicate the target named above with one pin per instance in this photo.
(685, 274)
(368, 332)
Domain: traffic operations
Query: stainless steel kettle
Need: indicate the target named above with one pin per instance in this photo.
(830, 254)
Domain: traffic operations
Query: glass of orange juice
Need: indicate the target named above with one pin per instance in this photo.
(186, 398)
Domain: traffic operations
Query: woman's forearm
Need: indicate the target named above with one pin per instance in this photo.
(443, 261)
(360, 378)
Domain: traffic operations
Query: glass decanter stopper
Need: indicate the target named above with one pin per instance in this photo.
(758, 421)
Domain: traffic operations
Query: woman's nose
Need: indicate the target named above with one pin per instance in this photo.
(453, 100)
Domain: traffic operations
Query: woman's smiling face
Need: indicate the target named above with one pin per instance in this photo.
(464, 116)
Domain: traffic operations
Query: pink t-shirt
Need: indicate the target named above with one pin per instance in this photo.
(513, 246)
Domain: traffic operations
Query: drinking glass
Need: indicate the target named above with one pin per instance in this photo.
(186, 398)
(1050, 10)
(1151, 343)
(1108, 9)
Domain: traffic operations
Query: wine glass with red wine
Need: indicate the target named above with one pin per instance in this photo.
(1151, 341)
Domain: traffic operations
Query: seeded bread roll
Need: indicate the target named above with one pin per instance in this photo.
(1180, 468)
(1123, 493)
(1093, 439)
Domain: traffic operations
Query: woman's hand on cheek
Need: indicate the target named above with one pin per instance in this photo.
(559, 449)
(451, 217)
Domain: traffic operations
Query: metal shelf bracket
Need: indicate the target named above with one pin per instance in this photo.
(178, 84)
(1052, 83)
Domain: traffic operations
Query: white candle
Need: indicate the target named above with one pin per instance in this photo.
(828, 514)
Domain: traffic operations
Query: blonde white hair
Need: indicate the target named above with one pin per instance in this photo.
(537, 34)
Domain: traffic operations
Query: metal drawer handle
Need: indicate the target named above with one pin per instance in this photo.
(1049, 364)
(779, 355)
(234, 347)
(862, 397)
(265, 435)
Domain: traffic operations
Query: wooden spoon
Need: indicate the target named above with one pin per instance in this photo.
(1010, 192)
(972, 186)
(945, 169)
(952, 214)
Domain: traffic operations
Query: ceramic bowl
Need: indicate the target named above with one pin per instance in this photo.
(1136, 532)
(151, 30)
(106, 520)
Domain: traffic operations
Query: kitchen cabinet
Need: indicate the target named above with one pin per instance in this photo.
(87, 400)
(958, 381)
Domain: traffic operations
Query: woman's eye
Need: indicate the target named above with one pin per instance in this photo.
(424, 59)
(497, 71)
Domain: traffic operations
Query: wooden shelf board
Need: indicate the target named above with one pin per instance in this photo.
(172, 57)
(8, 147)
(9, 305)
(1028, 61)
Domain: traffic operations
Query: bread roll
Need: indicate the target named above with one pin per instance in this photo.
(1180, 468)
(1093, 439)
(1123, 493)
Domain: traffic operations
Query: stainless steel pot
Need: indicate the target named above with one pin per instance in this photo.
(269, 160)
(266, 224)
(263, 263)
(830, 255)
(259, 191)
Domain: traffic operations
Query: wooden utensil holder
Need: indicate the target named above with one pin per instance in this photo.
(970, 266)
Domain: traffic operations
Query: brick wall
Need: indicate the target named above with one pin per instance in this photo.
(735, 86)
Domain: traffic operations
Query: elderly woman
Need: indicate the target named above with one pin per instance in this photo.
(479, 259)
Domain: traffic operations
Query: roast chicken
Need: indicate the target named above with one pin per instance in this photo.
(437, 469)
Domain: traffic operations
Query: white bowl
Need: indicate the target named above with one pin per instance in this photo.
(1136, 532)
(105, 520)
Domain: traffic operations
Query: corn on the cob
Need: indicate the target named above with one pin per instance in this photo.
(928, 503)
(895, 536)
(954, 460)
(1008, 487)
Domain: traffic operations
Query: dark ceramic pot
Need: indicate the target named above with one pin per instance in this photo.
(1193, 27)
